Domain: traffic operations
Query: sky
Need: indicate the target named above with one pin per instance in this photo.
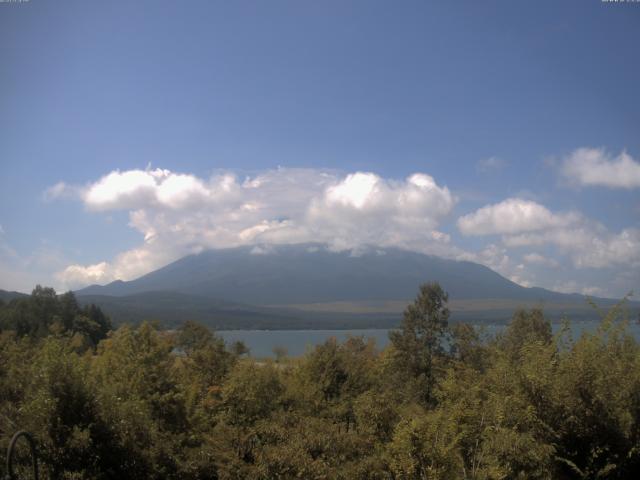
(505, 133)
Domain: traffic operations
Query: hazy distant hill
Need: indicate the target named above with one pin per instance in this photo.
(307, 286)
(6, 296)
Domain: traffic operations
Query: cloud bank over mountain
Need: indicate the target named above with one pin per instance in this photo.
(178, 213)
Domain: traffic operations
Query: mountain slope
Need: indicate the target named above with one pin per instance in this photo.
(172, 309)
(300, 274)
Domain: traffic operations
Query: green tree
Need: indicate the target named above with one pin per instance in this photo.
(596, 419)
(44, 313)
(525, 327)
(420, 339)
(425, 446)
(467, 346)
(59, 407)
(141, 401)
(192, 336)
(251, 393)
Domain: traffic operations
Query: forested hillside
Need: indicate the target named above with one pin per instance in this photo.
(441, 402)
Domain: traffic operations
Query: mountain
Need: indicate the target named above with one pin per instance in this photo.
(298, 274)
(308, 285)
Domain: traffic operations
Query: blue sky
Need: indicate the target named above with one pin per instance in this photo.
(522, 120)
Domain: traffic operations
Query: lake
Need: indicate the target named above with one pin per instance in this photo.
(262, 342)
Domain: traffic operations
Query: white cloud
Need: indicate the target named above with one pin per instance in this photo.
(491, 164)
(79, 274)
(511, 216)
(366, 209)
(572, 286)
(137, 189)
(354, 191)
(593, 291)
(59, 190)
(493, 256)
(178, 214)
(595, 167)
(538, 259)
(22, 272)
(524, 223)
(497, 258)
(589, 245)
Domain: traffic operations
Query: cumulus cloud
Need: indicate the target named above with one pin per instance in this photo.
(177, 214)
(511, 216)
(524, 223)
(366, 209)
(595, 167)
(589, 245)
(155, 188)
(79, 274)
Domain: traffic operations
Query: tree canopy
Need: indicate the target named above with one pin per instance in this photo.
(440, 402)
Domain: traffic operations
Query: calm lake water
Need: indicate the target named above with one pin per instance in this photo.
(262, 342)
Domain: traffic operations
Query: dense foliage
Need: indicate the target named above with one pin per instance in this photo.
(440, 402)
(44, 313)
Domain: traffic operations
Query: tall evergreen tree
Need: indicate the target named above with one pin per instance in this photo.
(419, 340)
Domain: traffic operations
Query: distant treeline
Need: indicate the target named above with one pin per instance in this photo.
(440, 402)
(45, 313)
